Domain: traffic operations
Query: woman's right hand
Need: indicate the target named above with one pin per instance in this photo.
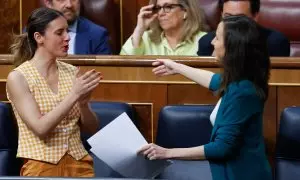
(145, 18)
(84, 84)
(165, 67)
(153, 152)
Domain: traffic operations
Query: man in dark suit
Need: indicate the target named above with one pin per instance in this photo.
(278, 43)
(85, 36)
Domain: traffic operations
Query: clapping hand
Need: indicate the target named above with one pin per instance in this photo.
(83, 85)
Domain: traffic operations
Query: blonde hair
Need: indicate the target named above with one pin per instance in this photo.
(21, 49)
(191, 26)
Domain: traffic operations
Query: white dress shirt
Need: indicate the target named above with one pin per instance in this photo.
(72, 33)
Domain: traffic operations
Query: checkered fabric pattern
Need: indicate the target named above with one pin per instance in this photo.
(65, 138)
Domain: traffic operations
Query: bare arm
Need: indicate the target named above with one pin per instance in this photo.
(193, 153)
(145, 18)
(169, 67)
(29, 111)
(200, 76)
(153, 151)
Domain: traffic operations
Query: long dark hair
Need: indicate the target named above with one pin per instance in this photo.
(24, 45)
(246, 54)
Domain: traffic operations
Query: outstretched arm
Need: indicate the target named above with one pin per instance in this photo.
(227, 139)
(153, 151)
(169, 67)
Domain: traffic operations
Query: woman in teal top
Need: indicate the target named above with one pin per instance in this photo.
(236, 149)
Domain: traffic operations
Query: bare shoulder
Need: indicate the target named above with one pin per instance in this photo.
(15, 80)
(14, 76)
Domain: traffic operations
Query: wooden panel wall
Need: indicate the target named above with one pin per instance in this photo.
(129, 16)
(129, 9)
(9, 22)
(131, 80)
(147, 99)
(27, 7)
(11, 9)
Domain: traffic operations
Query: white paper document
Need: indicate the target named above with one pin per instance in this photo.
(117, 144)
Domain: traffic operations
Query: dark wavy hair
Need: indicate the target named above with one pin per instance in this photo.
(254, 5)
(246, 54)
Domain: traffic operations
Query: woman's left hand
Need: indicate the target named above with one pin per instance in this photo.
(85, 99)
(153, 151)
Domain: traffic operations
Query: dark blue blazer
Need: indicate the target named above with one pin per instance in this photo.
(236, 149)
(278, 44)
(91, 38)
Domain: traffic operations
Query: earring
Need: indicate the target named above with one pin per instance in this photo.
(184, 16)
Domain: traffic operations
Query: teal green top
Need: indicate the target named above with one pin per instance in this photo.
(236, 149)
(147, 47)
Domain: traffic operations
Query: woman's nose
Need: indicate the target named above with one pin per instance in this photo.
(67, 37)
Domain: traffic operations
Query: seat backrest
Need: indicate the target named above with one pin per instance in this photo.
(182, 126)
(9, 164)
(287, 156)
(212, 13)
(106, 113)
(283, 15)
(105, 13)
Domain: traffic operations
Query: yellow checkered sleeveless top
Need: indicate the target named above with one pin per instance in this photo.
(65, 138)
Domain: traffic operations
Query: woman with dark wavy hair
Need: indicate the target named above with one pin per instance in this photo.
(236, 149)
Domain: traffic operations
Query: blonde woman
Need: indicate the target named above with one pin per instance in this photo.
(167, 27)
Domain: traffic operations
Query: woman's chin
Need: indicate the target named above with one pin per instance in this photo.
(63, 54)
(165, 26)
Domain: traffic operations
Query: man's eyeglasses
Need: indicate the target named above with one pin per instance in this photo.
(166, 8)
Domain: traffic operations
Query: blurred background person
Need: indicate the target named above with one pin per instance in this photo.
(167, 27)
(86, 36)
(236, 150)
(50, 100)
(278, 43)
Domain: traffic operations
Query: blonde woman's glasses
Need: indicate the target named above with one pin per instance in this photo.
(166, 8)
